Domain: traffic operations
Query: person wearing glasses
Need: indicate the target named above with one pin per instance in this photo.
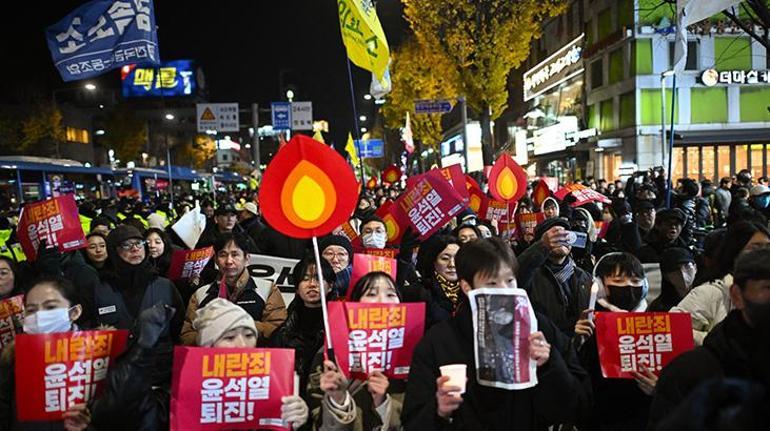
(131, 285)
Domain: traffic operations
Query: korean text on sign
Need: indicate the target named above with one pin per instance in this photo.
(57, 371)
(186, 264)
(378, 337)
(230, 388)
(54, 221)
(629, 342)
(11, 318)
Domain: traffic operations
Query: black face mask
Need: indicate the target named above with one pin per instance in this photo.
(625, 297)
(759, 315)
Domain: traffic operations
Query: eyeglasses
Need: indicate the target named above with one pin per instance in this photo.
(136, 245)
(331, 255)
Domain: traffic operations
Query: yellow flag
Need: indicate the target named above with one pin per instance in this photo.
(363, 36)
(318, 136)
(350, 147)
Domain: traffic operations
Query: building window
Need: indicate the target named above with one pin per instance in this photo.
(77, 135)
(597, 74)
(678, 164)
(732, 53)
(757, 160)
(692, 55)
(616, 66)
(693, 163)
(741, 157)
(224, 157)
(723, 161)
(707, 162)
(710, 103)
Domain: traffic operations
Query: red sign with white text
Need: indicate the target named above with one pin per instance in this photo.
(187, 264)
(11, 319)
(365, 263)
(629, 341)
(230, 388)
(56, 371)
(371, 337)
(527, 222)
(582, 193)
(54, 220)
(429, 203)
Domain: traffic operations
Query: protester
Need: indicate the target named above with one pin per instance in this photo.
(560, 396)
(557, 287)
(666, 233)
(709, 303)
(259, 297)
(50, 306)
(737, 347)
(439, 287)
(160, 250)
(9, 285)
(338, 251)
(225, 221)
(303, 329)
(678, 270)
(348, 404)
(466, 232)
(248, 219)
(550, 208)
(96, 252)
(374, 234)
(619, 404)
(722, 200)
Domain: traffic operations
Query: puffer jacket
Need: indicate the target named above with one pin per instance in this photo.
(259, 297)
(708, 304)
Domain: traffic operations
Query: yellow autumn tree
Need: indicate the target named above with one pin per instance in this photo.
(418, 72)
(199, 151)
(42, 127)
(484, 40)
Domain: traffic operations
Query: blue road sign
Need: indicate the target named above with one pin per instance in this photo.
(438, 106)
(281, 115)
(371, 148)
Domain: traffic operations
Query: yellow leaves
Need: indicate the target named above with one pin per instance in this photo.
(45, 123)
(418, 73)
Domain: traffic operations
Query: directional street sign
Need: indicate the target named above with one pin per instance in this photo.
(221, 117)
(281, 115)
(371, 148)
(301, 115)
(437, 106)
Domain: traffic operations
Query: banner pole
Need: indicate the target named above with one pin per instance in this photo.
(671, 145)
(357, 131)
(324, 310)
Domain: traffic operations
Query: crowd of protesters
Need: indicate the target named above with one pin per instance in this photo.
(698, 247)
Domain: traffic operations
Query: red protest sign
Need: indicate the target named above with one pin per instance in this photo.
(391, 174)
(11, 319)
(230, 388)
(628, 341)
(500, 211)
(454, 176)
(365, 263)
(527, 222)
(390, 253)
(394, 221)
(540, 193)
(582, 193)
(601, 228)
(54, 220)
(189, 263)
(507, 180)
(56, 371)
(369, 337)
(347, 231)
(478, 201)
(429, 203)
(308, 189)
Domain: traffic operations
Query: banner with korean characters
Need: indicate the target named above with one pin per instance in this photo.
(429, 203)
(54, 220)
(451, 174)
(365, 263)
(11, 319)
(57, 371)
(376, 337)
(346, 230)
(629, 341)
(276, 269)
(186, 264)
(582, 194)
(230, 388)
(527, 222)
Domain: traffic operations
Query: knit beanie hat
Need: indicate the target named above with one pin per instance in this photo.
(156, 220)
(218, 317)
(337, 240)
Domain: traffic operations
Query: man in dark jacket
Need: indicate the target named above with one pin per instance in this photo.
(249, 221)
(556, 286)
(738, 347)
(561, 395)
(225, 221)
(666, 233)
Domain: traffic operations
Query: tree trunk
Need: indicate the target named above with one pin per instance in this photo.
(487, 143)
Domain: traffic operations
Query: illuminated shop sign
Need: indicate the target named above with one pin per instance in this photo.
(557, 68)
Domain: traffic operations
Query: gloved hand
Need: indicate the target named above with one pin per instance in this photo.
(294, 411)
(48, 259)
(151, 323)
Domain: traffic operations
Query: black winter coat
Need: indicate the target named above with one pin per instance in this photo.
(562, 394)
(732, 349)
(546, 294)
(273, 243)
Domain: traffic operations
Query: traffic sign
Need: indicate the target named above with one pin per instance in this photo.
(281, 115)
(302, 116)
(220, 117)
(371, 148)
(437, 106)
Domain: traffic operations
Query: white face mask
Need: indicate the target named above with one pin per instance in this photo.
(374, 240)
(48, 321)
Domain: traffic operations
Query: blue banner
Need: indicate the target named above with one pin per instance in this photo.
(103, 35)
(172, 79)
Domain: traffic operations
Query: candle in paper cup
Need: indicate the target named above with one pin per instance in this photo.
(456, 374)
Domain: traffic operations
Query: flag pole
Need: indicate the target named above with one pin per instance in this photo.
(671, 144)
(357, 131)
(324, 309)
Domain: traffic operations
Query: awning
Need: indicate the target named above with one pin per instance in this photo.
(732, 136)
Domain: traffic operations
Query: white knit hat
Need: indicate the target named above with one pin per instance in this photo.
(156, 220)
(218, 317)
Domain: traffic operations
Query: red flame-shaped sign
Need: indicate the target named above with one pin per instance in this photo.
(507, 180)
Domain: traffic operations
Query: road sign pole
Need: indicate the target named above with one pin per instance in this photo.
(464, 119)
(255, 142)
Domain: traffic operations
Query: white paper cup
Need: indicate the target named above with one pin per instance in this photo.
(456, 374)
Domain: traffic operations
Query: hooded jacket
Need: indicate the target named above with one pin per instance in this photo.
(708, 304)
(562, 394)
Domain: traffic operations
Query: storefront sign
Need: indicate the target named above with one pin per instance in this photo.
(559, 67)
(554, 138)
(711, 77)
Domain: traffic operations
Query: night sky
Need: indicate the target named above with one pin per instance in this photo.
(242, 46)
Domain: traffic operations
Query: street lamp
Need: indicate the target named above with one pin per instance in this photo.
(290, 95)
(363, 130)
(367, 96)
(169, 116)
(90, 87)
(362, 118)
